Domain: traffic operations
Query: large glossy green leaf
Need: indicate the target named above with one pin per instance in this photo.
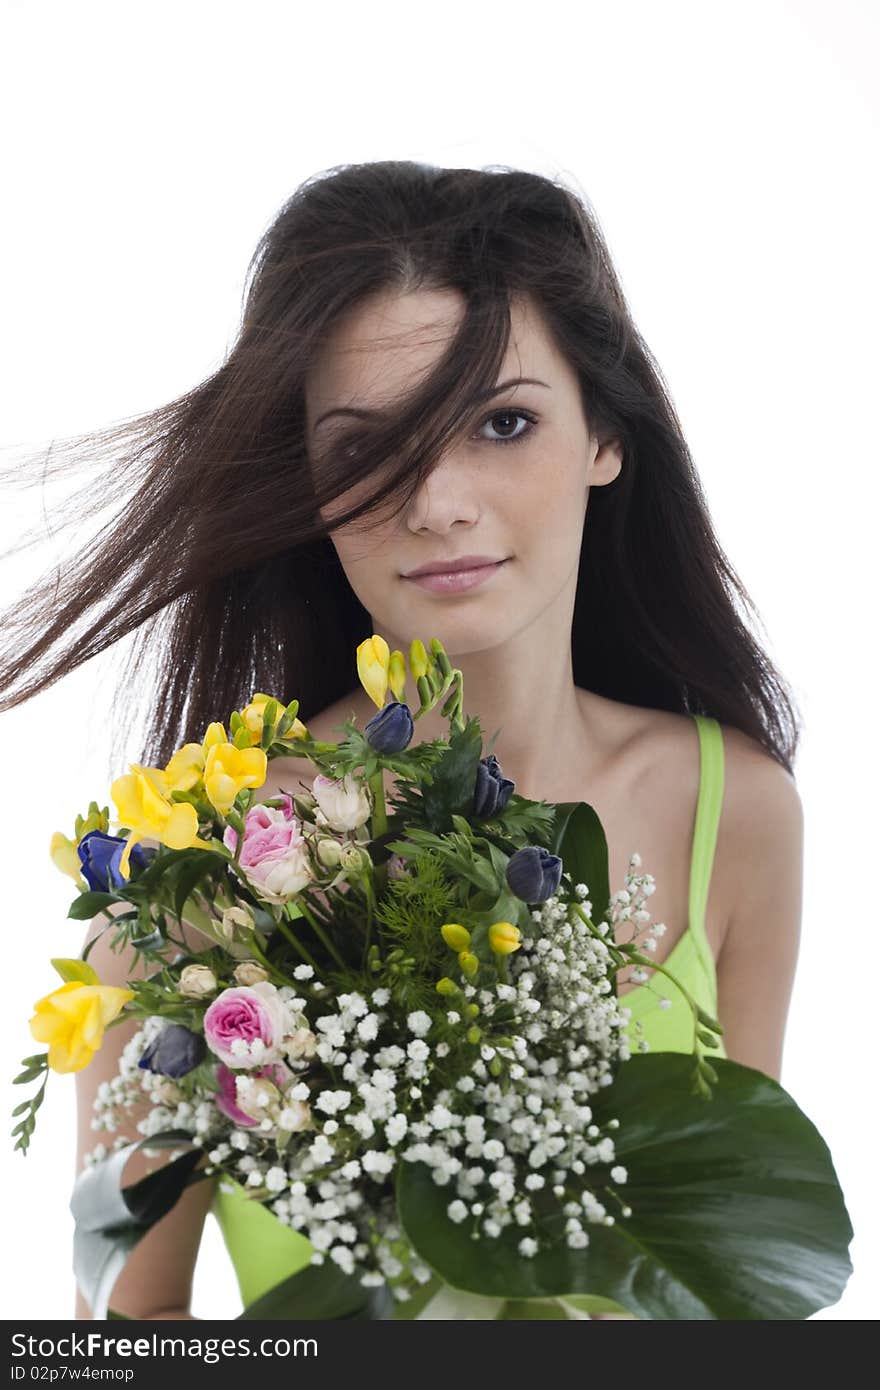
(321, 1292)
(111, 1219)
(579, 840)
(736, 1207)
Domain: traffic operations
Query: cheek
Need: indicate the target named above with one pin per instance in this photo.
(547, 502)
(366, 559)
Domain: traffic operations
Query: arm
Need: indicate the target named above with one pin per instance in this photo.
(156, 1281)
(758, 958)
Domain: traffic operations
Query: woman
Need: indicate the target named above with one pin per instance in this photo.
(437, 368)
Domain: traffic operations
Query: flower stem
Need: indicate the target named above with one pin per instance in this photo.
(378, 827)
(288, 934)
(264, 960)
(320, 933)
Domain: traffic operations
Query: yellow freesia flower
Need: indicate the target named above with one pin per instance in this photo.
(373, 658)
(63, 853)
(184, 768)
(215, 733)
(504, 937)
(228, 770)
(252, 717)
(72, 1020)
(142, 801)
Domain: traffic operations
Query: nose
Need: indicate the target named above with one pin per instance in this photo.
(447, 497)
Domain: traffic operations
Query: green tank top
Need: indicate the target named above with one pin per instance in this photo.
(264, 1251)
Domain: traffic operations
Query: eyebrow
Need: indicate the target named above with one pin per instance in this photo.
(363, 413)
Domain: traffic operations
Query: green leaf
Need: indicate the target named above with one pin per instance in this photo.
(90, 904)
(321, 1292)
(454, 776)
(736, 1207)
(75, 970)
(579, 840)
(463, 826)
(110, 1219)
(190, 872)
(30, 1074)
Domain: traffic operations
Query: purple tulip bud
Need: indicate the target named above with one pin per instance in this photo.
(391, 730)
(174, 1051)
(492, 790)
(100, 853)
(534, 874)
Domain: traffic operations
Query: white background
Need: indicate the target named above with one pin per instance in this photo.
(727, 149)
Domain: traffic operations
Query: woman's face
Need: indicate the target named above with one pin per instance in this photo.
(522, 502)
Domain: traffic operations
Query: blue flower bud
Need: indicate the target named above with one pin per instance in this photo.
(100, 853)
(492, 790)
(534, 874)
(174, 1051)
(391, 730)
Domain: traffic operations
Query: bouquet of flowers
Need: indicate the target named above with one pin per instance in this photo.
(402, 1036)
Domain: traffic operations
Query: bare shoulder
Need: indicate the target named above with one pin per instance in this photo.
(762, 858)
(758, 790)
(762, 809)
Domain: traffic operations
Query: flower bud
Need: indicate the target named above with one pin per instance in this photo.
(495, 1066)
(295, 1115)
(174, 1051)
(391, 730)
(257, 1098)
(418, 659)
(197, 982)
(534, 874)
(472, 1010)
(236, 922)
(469, 963)
(397, 674)
(250, 972)
(166, 1093)
(504, 938)
(329, 852)
(446, 986)
(439, 654)
(456, 936)
(474, 1034)
(492, 790)
(301, 1043)
(353, 859)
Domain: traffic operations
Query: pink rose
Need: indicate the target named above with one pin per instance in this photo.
(226, 1097)
(274, 856)
(245, 1025)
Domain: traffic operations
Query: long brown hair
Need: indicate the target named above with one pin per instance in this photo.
(217, 560)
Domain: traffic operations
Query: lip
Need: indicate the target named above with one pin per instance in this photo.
(460, 562)
(455, 581)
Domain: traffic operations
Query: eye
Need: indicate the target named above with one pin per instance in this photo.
(510, 415)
